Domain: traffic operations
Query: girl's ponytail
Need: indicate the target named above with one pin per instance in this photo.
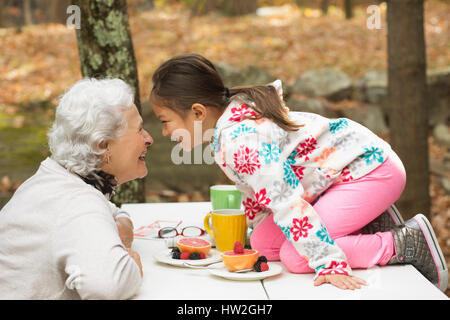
(264, 99)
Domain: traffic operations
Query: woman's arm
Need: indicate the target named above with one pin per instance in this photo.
(87, 246)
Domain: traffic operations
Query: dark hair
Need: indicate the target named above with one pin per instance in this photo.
(191, 78)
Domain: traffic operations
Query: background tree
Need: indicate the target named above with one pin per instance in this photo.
(106, 50)
(324, 6)
(407, 98)
(27, 12)
(348, 8)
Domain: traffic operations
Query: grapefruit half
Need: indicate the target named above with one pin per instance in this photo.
(239, 261)
(194, 245)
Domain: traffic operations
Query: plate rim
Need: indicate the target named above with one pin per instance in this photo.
(244, 276)
(163, 257)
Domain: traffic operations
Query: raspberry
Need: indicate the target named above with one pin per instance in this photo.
(202, 256)
(261, 266)
(238, 248)
(184, 255)
(194, 256)
(262, 259)
(264, 266)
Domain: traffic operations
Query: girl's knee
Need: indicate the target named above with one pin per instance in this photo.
(292, 260)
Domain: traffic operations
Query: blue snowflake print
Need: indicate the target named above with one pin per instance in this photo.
(338, 125)
(291, 157)
(215, 144)
(286, 230)
(289, 176)
(242, 130)
(372, 154)
(324, 236)
(270, 152)
(319, 268)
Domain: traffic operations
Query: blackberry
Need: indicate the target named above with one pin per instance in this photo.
(175, 253)
(195, 256)
(257, 266)
(262, 259)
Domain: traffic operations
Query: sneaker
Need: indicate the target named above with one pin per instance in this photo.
(415, 243)
(386, 221)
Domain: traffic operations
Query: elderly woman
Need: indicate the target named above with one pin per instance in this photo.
(60, 236)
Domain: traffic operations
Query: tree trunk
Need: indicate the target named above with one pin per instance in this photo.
(1, 12)
(324, 6)
(106, 50)
(239, 7)
(58, 10)
(407, 92)
(348, 5)
(27, 12)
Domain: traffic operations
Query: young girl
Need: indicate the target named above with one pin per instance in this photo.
(313, 187)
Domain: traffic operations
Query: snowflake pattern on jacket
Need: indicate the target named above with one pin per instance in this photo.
(282, 173)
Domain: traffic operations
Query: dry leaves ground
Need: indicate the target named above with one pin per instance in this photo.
(39, 63)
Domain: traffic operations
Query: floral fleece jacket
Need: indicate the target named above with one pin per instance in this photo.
(282, 173)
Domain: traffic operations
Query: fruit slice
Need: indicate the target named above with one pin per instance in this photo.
(239, 261)
(194, 245)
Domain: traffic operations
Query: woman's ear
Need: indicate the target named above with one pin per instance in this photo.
(103, 145)
(199, 111)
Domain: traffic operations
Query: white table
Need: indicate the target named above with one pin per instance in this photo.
(163, 281)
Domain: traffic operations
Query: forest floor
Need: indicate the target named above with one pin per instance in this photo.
(37, 63)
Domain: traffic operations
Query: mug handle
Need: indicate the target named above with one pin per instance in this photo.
(231, 201)
(207, 225)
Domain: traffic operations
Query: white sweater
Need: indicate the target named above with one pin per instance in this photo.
(59, 240)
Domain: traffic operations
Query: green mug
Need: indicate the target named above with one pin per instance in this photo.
(225, 197)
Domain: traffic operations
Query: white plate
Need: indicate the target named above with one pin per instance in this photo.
(165, 256)
(223, 272)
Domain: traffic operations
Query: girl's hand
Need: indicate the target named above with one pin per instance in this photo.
(341, 281)
(125, 228)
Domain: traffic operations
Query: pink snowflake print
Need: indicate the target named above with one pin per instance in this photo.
(261, 198)
(251, 208)
(346, 175)
(242, 112)
(335, 268)
(298, 170)
(300, 228)
(306, 147)
(246, 160)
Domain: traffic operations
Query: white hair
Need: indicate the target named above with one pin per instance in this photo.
(88, 115)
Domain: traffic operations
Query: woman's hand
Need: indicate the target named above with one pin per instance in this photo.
(125, 228)
(136, 257)
(341, 281)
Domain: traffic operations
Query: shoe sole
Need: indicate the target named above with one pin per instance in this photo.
(395, 215)
(436, 251)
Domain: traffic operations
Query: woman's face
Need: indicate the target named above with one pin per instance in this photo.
(125, 158)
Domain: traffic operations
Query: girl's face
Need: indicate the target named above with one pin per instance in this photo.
(187, 130)
(125, 158)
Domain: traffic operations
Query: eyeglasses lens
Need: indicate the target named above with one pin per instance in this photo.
(167, 232)
(192, 232)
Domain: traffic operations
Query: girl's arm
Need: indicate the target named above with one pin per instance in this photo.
(257, 162)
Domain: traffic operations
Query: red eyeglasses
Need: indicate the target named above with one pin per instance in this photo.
(190, 231)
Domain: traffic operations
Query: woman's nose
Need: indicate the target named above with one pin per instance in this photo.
(148, 139)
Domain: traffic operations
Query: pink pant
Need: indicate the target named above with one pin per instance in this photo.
(344, 208)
